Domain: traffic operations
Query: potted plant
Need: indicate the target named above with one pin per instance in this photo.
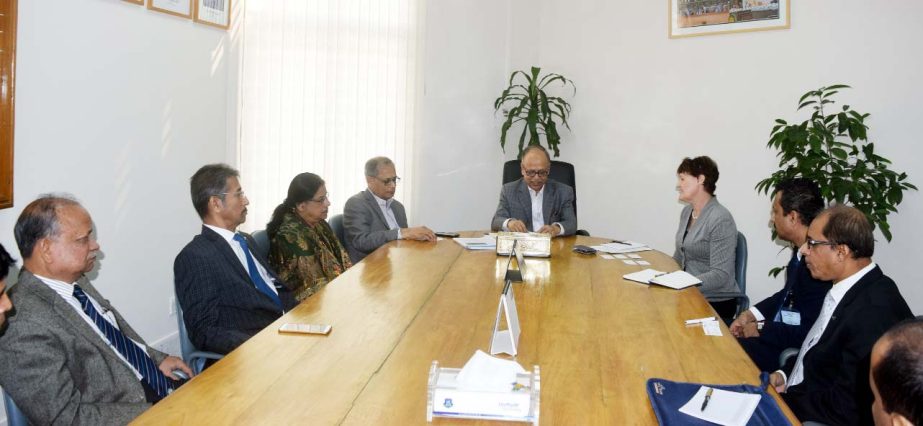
(525, 101)
(832, 149)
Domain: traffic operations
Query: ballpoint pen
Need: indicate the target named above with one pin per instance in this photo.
(620, 242)
(707, 398)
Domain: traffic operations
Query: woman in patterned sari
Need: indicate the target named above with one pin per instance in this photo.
(303, 250)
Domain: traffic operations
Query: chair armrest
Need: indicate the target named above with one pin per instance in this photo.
(197, 360)
(786, 355)
(583, 232)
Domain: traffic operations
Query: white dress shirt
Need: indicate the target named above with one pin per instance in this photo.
(385, 206)
(538, 216)
(834, 296)
(66, 291)
(239, 251)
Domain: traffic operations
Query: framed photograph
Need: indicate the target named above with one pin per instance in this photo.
(182, 8)
(216, 13)
(699, 17)
(141, 2)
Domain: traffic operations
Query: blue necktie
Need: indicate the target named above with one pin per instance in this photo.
(137, 357)
(255, 273)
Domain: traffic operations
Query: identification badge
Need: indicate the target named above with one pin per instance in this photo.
(791, 317)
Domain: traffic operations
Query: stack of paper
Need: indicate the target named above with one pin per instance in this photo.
(724, 407)
(622, 247)
(676, 280)
(481, 243)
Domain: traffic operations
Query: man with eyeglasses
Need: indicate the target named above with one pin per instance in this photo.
(828, 383)
(225, 287)
(782, 320)
(534, 202)
(373, 217)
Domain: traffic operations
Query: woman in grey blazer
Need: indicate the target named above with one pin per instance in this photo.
(706, 240)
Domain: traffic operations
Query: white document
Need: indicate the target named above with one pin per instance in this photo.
(629, 262)
(620, 256)
(606, 256)
(481, 243)
(486, 373)
(711, 328)
(624, 247)
(724, 407)
(643, 262)
(634, 256)
(676, 280)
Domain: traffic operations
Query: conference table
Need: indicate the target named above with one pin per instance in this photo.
(596, 337)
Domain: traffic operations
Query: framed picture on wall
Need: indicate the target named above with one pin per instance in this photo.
(690, 18)
(135, 1)
(182, 8)
(216, 13)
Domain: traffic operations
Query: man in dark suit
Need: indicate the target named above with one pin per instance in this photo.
(828, 383)
(897, 375)
(534, 202)
(68, 357)
(226, 290)
(787, 316)
(373, 217)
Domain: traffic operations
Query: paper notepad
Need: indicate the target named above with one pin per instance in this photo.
(676, 280)
(724, 407)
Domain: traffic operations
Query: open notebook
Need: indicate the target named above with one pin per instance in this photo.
(676, 279)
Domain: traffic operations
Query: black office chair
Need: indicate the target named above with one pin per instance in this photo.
(560, 171)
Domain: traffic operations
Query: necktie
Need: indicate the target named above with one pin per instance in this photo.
(255, 273)
(817, 330)
(790, 275)
(137, 357)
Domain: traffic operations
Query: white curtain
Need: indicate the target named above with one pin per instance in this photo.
(325, 85)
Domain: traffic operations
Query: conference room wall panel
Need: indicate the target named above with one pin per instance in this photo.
(645, 101)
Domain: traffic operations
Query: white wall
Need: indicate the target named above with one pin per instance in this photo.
(645, 101)
(119, 105)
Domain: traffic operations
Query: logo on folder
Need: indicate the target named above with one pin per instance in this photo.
(447, 403)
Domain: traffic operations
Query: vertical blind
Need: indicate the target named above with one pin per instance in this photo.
(325, 85)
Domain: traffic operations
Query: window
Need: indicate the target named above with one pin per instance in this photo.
(325, 85)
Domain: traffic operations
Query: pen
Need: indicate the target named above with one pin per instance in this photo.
(707, 397)
(699, 320)
(620, 242)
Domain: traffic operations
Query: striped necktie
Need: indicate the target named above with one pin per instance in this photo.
(137, 357)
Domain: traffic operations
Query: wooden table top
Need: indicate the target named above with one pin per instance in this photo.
(596, 337)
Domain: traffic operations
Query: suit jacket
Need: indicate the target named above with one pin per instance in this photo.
(807, 297)
(365, 226)
(516, 203)
(709, 249)
(836, 389)
(222, 308)
(58, 369)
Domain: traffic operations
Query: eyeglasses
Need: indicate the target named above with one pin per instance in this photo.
(239, 194)
(534, 173)
(321, 200)
(388, 181)
(814, 243)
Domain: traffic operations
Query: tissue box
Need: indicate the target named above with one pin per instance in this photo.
(446, 399)
(530, 244)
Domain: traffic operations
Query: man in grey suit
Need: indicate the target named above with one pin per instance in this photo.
(534, 202)
(373, 217)
(68, 357)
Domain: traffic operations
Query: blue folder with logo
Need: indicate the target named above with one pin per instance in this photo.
(668, 396)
